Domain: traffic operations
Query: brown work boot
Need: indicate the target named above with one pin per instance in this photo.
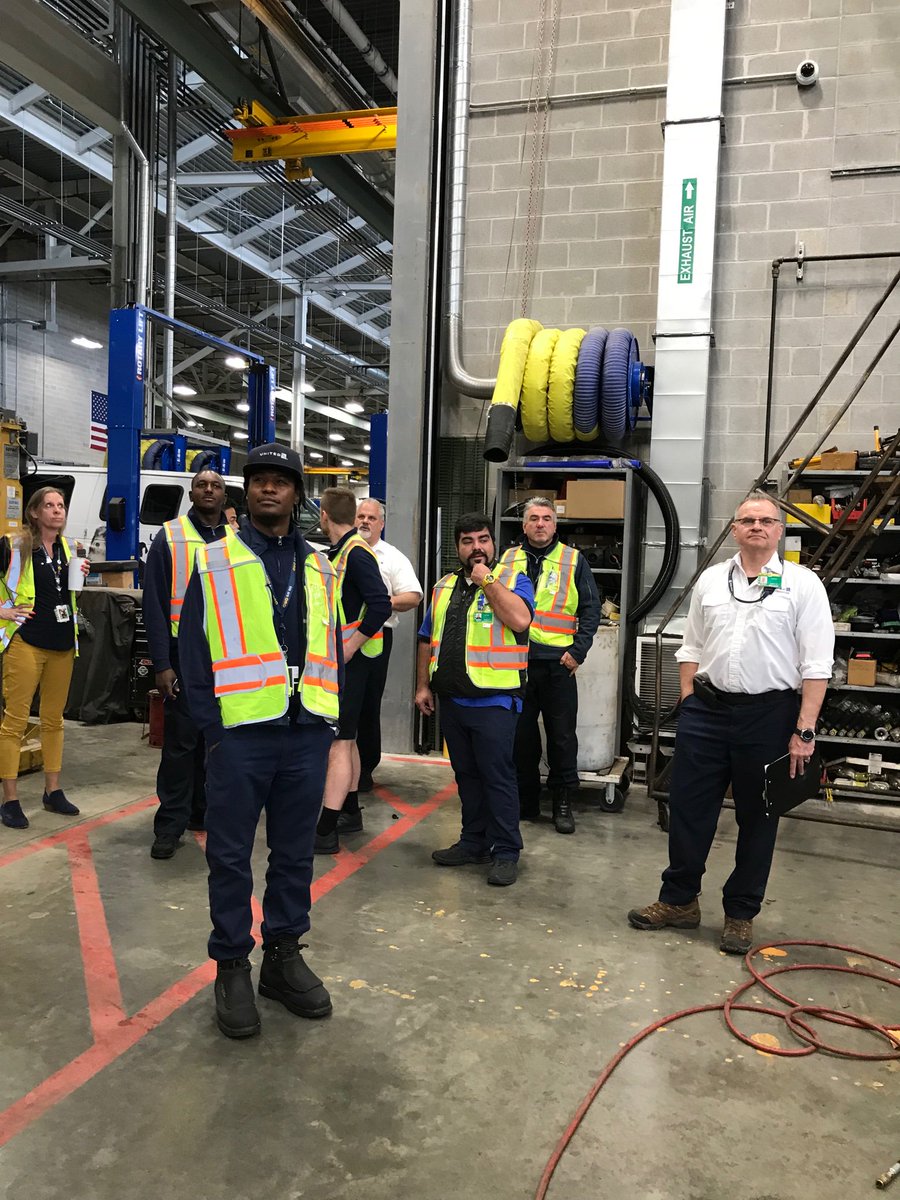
(737, 936)
(658, 916)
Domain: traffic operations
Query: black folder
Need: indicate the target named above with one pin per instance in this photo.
(782, 793)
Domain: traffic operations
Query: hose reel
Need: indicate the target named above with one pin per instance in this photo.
(570, 385)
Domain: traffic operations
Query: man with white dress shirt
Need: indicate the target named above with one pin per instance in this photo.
(406, 593)
(754, 664)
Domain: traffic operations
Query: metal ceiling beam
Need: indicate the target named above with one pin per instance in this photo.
(46, 50)
(183, 31)
(28, 96)
(196, 147)
(239, 421)
(45, 268)
(221, 179)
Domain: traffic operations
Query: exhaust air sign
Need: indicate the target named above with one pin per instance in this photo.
(688, 231)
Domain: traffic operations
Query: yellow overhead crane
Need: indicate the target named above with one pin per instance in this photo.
(313, 136)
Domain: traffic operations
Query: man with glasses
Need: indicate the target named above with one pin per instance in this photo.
(754, 664)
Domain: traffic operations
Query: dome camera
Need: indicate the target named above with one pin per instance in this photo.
(807, 73)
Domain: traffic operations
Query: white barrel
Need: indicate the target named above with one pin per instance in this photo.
(598, 702)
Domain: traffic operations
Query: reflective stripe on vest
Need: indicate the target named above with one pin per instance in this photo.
(250, 672)
(374, 645)
(494, 658)
(184, 541)
(556, 604)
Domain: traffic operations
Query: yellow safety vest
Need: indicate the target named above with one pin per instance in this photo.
(494, 658)
(184, 541)
(375, 644)
(555, 597)
(17, 587)
(251, 680)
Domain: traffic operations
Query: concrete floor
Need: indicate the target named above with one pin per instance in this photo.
(469, 1021)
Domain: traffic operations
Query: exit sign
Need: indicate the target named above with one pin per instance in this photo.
(688, 239)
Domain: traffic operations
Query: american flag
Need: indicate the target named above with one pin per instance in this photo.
(99, 417)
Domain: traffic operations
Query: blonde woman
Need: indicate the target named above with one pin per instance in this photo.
(39, 641)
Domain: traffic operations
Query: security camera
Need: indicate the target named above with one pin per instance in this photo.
(807, 73)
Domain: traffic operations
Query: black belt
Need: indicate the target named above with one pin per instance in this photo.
(704, 690)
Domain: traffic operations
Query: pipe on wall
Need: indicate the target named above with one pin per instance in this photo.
(171, 230)
(363, 43)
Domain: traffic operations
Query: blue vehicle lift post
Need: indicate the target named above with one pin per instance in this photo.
(127, 383)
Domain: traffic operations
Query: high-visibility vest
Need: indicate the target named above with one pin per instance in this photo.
(494, 658)
(375, 644)
(251, 679)
(184, 541)
(555, 597)
(17, 587)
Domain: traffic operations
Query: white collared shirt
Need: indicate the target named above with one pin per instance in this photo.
(398, 574)
(770, 646)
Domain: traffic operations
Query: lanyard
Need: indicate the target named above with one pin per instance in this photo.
(767, 591)
(290, 587)
(55, 565)
(279, 608)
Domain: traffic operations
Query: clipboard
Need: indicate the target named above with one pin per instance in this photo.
(781, 793)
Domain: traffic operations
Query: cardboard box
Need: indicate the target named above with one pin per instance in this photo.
(800, 495)
(519, 495)
(597, 498)
(822, 512)
(792, 548)
(861, 672)
(835, 460)
(118, 579)
(559, 507)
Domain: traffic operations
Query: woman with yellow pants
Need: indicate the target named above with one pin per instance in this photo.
(38, 640)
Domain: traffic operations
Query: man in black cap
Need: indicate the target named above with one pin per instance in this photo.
(262, 665)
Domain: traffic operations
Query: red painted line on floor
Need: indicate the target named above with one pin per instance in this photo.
(117, 1039)
(425, 760)
(75, 831)
(101, 976)
(402, 806)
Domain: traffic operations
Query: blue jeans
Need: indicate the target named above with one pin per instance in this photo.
(717, 746)
(480, 741)
(279, 768)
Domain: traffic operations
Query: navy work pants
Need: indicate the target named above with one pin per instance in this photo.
(718, 745)
(480, 741)
(552, 693)
(279, 768)
(181, 778)
(368, 734)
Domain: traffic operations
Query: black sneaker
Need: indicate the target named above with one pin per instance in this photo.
(12, 816)
(350, 822)
(285, 977)
(57, 802)
(563, 817)
(460, 855)
(236, 1013)
(327, 843)
(503, 872)
(164, 847)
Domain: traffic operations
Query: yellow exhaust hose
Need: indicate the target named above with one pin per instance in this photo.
(562, 385)
(535, 384)
(501, 424)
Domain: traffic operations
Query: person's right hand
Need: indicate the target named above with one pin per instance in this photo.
(425, 700)
(166, 682)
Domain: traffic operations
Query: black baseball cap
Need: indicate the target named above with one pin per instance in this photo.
(272, 456)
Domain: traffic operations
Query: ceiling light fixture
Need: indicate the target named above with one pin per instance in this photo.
(236, 362)
(345, 462)
(354, 406)
(240, 436)
(87, 343)
(336, 437)
(242, 406)
(307, 389)
(191, 424)
(367, 446)
(182, 389)
(316, 455)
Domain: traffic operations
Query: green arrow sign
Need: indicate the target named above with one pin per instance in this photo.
(688, 231)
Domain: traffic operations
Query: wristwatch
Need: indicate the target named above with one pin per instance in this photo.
(806, 735)
(489, 578)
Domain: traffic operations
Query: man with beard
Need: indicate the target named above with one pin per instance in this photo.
(181, 778)
(262, 666)
(473, 653)
(566, 617)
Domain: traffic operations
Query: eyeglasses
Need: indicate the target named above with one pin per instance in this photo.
(749, 522)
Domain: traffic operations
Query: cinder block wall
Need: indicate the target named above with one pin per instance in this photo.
(597, 250)
(45, 379)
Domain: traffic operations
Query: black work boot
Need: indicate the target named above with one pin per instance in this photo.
(236, 1013)
(285, 977)
(563, 817)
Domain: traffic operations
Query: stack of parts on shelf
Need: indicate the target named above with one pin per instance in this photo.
(853, 717)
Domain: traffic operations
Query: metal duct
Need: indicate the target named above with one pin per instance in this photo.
(684, 305)
(454, 367)
(363, 44)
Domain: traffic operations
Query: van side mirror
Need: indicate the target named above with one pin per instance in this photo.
(115, 514)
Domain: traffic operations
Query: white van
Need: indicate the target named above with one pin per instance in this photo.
(164, 496)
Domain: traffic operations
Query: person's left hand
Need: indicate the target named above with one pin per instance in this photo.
(571, 664)
(801, 752)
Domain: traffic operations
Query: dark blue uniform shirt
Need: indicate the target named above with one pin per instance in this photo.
(363, 585)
